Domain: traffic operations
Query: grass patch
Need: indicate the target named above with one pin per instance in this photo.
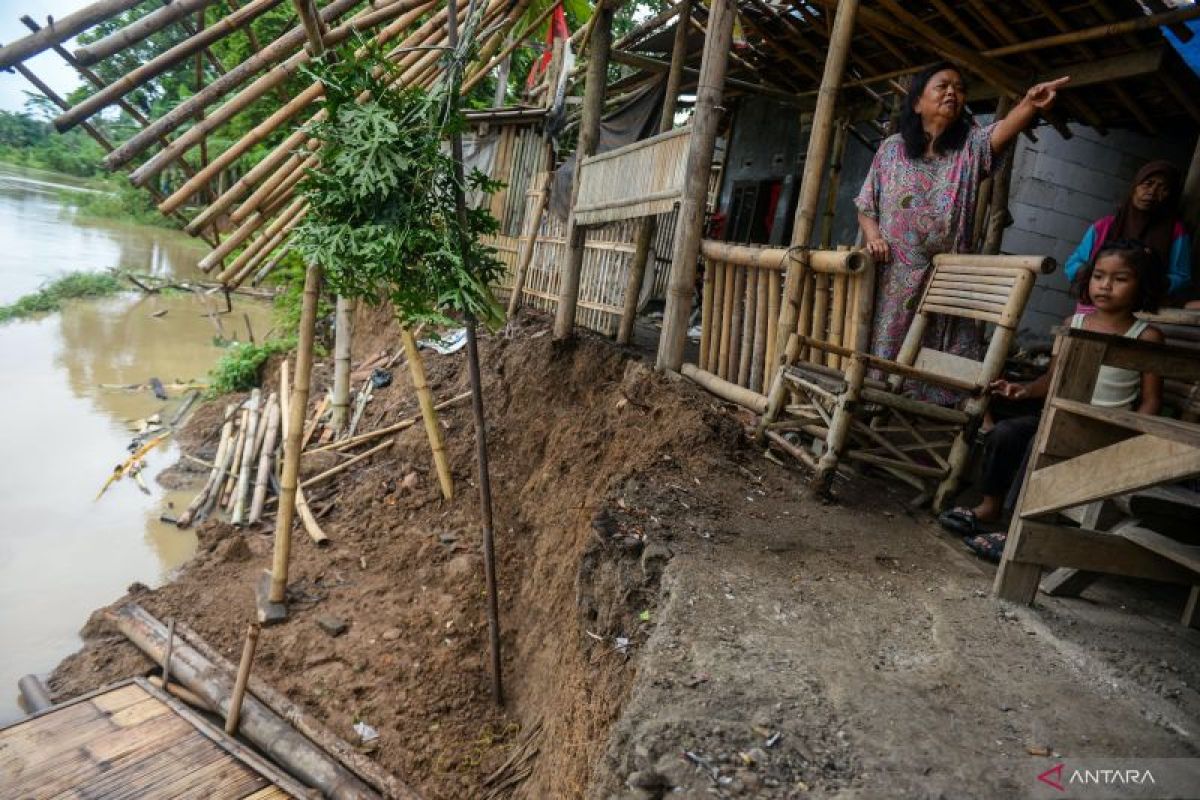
(72, 286)
(238, 370)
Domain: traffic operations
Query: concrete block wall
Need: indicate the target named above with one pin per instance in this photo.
(1060, 187)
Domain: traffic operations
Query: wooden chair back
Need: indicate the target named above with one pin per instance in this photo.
(988, 289)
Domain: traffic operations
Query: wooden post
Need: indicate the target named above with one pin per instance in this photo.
(528, 243)
(341, 364)
(243, 677)
(666, 121)
(1191, 189)
(690, 225)
(998, 200)
(814, 164)
(589, 134)
(297, 405)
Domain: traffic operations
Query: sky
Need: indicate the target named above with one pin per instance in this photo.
(47, 66)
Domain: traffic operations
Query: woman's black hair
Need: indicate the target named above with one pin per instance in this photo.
(1151, 278)
(913, 131)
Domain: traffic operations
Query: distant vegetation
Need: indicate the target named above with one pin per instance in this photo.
(72, 286)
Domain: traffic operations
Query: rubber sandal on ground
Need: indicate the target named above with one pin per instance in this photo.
(987, 545)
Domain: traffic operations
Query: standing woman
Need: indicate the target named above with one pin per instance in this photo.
(919, 200)
(1150, 215)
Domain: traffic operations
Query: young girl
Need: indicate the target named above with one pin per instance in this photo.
(1121, 280)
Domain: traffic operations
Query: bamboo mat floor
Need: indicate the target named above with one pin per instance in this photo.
(123, 742)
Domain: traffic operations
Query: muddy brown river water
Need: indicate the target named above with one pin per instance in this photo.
(63, 552)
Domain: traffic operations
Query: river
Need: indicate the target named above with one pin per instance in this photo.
(63, 552)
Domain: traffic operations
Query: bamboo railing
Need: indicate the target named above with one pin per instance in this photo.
(740, 309)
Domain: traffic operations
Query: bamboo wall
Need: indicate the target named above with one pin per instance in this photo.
(520, 154)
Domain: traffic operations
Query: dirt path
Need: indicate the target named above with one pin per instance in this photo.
(868, 643)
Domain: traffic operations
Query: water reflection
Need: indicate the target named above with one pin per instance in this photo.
(63, 553)
(40, 238)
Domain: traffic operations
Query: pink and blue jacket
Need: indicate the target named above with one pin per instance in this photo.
(1179, 266)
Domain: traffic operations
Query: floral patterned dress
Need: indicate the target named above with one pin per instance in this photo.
(924, 207)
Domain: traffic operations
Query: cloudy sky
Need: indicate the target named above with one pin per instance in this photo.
(48, 66)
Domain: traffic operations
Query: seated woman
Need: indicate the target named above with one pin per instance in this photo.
(1123, 278)
(1149, 214)
(919, 197)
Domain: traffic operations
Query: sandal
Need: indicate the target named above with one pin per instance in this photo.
(987, 545)
(961, 521)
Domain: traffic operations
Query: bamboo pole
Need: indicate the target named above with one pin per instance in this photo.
(998, 216)
(840, 38)
(258, 724)
(646, 227)
(437, 447)
(690, 225)
(503, 55)
(184, 111)
(62, 30)
(234, 716)
(226, 441)
(529, 240)
(285, 218)
(247, 459)
(301, 720)
(226, 498)
(345, 465)
(263, 253)
(230, 243)
(341, 365)
(354, 441)
(307, 518)
(297, 405)
(267, 455)
(135, 32)
(589, 135)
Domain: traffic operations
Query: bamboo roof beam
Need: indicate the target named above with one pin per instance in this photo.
(257, 173)
(517, 41)
(135, 32)
(296, 164)
(1007, 34)
(655, 65)
(271, 54)
(1106, 31)
(649, 26)
(314, 26)
(771, 17)
(231, 243)
(1088, 54)
(738, 59)
(62, 30)
(160, 64)
(98, 82)
(274, 77)
(287, 215)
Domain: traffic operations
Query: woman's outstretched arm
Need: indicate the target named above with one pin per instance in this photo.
(1040, 97)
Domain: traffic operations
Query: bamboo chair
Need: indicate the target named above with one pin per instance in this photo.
(850, 416)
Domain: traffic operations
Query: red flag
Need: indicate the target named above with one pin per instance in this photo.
(557, 30)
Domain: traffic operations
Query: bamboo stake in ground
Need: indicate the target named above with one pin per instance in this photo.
(308, 519)
(375, 434)
(243, 676)
(291, 449)
(416, 368)
(264, 463)
(341, 365)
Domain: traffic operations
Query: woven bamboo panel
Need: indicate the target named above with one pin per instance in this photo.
(123, 742)
(638, 180)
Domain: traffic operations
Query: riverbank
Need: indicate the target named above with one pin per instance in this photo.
(676, 613)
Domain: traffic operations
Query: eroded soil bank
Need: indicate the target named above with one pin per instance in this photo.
(679, 616)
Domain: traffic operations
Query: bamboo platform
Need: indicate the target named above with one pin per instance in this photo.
(131, 740)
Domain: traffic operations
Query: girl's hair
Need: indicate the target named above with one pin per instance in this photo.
(1145, 265)
(913, 132)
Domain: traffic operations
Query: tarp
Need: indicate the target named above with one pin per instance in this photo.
(633, 121)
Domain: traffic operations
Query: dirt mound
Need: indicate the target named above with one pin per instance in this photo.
(584, 441)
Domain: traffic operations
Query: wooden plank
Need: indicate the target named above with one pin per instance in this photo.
(956, 311)
(952, 366)
(1187, 556)
(1127, 466)
(1094, 551)
(120, 698)
(1142, 356)
(268, 793)
(139, 712)
(143, 777)
(1162, 427)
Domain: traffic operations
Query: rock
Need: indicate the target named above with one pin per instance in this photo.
(757, 755)
(332, 625)
(654, 558)
(648, 780)
(390, 635)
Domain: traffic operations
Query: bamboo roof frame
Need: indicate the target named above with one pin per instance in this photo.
(1114, 45)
